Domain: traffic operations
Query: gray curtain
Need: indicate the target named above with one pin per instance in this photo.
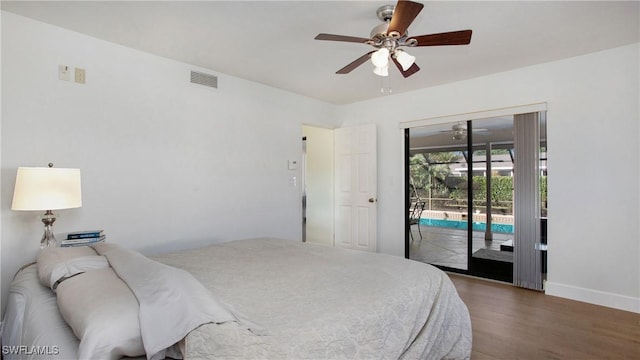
(527, 263)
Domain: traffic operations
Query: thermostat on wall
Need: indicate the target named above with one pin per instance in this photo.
(293, 164)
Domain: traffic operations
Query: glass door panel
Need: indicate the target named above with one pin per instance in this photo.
(492, 177)
(438, 181)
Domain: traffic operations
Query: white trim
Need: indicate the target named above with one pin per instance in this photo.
(602, 298)
(523, 109)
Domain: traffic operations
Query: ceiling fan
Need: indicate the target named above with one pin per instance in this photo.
(459, 131)
(391, 36)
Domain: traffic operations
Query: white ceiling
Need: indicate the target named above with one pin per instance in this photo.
(271, 42)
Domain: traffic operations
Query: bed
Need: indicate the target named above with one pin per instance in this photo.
(246, 299)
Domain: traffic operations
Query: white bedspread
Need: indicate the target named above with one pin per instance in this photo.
(171, 302)
(324, 303)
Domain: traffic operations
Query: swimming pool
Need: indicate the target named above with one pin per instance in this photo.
(462, 225)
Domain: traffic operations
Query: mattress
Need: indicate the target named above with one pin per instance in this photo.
(272, 298)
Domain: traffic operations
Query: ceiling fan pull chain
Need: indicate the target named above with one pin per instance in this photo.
(389, 89)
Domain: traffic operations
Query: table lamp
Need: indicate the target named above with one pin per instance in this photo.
(47, 189)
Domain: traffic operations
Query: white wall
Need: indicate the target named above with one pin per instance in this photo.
(165, 163)
(593, 115)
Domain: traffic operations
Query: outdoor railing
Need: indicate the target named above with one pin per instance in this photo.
(448, 204)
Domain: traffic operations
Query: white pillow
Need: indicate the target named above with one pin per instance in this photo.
(50, 259)
(103, 313)
(76, 266)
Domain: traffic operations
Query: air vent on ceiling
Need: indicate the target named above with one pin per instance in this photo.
(204, 79)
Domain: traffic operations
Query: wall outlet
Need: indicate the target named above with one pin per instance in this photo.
(64, 73)
(80, 76)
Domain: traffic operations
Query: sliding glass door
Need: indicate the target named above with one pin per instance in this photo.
(460, 196)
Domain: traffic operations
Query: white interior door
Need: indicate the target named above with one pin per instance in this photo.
(356, 187)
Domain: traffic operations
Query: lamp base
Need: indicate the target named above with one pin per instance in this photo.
(48, 239)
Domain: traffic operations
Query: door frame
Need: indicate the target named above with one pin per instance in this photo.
(362, 143)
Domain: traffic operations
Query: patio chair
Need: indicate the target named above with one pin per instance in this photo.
(414, 217)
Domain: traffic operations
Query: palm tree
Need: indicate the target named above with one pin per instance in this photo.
(429, 171)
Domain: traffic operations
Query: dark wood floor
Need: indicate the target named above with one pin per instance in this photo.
(513, 323)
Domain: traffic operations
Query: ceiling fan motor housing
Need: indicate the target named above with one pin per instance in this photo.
(385, 12)
(380, 32)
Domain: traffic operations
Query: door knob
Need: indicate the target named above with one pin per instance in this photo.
(371, 200)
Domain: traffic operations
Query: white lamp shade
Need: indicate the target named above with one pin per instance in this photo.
(381, 71)
(380, 58)
(39, 188)
(405, 60)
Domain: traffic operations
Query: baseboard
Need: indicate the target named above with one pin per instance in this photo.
(602, 298)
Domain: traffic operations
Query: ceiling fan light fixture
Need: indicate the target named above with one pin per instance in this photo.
(381, 70)
(380, 58)
(405, 60)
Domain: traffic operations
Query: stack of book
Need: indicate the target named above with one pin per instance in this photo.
(83, 238)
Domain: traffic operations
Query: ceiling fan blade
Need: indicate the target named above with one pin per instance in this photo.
(462, 37)
(414, 68)
(332, 37)
(403, 15)
(359, 61)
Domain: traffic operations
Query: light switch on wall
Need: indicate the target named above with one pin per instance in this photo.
(64, 73)
(293, 164)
